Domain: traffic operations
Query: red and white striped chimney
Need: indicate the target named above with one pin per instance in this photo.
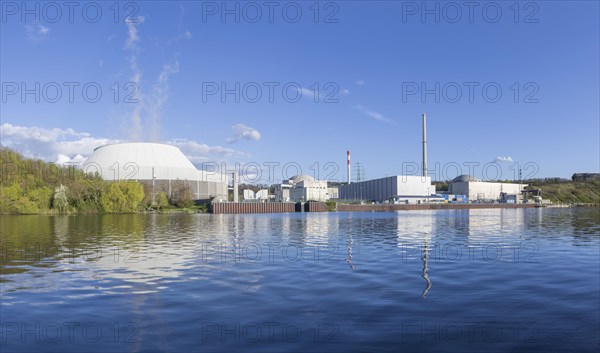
(349, 180)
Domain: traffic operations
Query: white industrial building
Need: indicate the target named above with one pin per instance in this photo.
(334, 192)
(302, 188)
(159, 164)
(400, 188)
(282, 192)
(477, 190)
(260, 195)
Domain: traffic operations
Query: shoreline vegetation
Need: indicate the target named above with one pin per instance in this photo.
(31, 186)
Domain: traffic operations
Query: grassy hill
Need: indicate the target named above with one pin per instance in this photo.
(557, 190)
(566, 191)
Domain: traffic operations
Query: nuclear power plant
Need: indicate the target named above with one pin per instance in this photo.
(164, 165)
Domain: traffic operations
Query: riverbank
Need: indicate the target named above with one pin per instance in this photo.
(312, 207)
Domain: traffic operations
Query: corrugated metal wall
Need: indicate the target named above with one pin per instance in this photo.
(251, 207)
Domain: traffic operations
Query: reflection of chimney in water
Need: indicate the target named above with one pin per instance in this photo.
(425, 259)
(349, 259)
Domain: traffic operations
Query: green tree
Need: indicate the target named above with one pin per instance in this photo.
(60, 200)
(38, 200)
(10, 197)
(182, 196)
(14, 199)
(162, 201)
(122, 197)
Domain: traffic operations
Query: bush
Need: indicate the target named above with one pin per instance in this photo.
(331, 206)
(13, 199)
(162, 201)
(122, 197)
(182, 195)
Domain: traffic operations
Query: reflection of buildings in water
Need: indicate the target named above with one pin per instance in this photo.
(279, 230)
(415, 230)
(144, 263)
(320, 227)
(414, 227)
(160, 246)
(305, 229)
(489, 224)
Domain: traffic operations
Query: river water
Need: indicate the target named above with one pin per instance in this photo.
(498, 280)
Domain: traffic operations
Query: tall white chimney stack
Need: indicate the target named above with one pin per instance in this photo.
(349, 179)
(424, 145)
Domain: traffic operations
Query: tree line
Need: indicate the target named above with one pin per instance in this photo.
(32, 186)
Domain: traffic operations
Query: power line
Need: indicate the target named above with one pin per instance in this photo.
(359, 172)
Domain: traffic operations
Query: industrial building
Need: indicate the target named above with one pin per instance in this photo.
(282, 191)
(302, 188)
(334, 192)
(260, 195)
(159, 164)
(396, 189)
(476, 190)
(400, 188)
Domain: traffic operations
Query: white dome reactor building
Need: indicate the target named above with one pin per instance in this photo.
(156, 163)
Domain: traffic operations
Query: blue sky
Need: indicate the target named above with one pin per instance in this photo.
(368, 62)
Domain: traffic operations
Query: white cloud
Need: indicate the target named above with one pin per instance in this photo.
(372, 114)
(360, 82)
(76, 160)
(67, 145)
(309, 93)
(345, 92)
(52, 145)
(243, 132)
(43, 30)
(506, 159)
(201, 152)
(36, 33)
(101, 63)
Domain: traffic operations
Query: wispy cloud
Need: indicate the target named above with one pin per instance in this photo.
(133, 38)
(145, 116)
(36, 33)
(244, 132)
(360, 82)
(373, 115)
(345, 92)
(131, 44)
(67, 145)
(183, 34)
(159, 97)
(506, 159)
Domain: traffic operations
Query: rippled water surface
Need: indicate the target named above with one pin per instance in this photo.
(450, 280)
